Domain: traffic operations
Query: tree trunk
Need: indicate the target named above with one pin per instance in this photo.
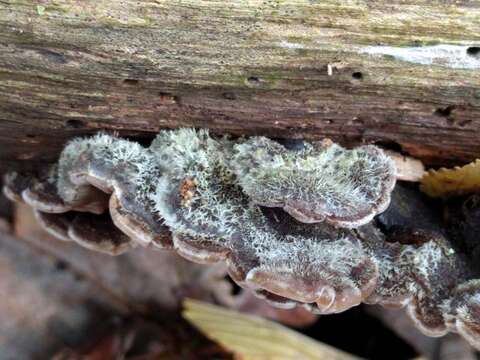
(401, 73)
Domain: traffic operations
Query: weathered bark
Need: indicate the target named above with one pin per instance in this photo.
(287, 69)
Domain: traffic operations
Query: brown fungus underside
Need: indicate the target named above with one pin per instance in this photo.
(293, 225)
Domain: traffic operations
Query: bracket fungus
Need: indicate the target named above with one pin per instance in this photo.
(295, 225)
(321, 182)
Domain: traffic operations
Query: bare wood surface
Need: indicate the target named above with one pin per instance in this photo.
(286, 69)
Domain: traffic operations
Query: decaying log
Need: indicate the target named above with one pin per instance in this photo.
(403, 72)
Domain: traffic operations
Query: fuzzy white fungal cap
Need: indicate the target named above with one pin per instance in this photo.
(210, 192)
(218, 214)
(319, 183)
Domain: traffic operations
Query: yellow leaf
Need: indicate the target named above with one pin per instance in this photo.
(456, 181)
(254, 338)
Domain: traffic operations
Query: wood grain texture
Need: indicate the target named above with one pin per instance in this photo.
(290, 69)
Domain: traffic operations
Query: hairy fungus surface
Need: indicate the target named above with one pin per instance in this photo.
(321, 182)
(292, 223)
(211, 218)
(426, 273)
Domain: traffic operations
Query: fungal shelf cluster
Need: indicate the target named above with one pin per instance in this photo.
(317, 226)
